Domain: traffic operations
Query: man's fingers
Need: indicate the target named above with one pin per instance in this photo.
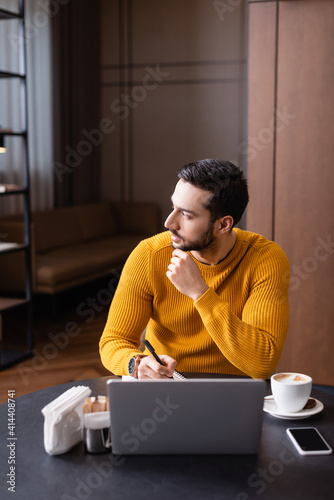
(150, 368)
(157, 367)
(169, 362)
(179, 253)
(148, 373)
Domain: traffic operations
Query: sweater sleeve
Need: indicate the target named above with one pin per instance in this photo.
(129, 313)
(254, 342)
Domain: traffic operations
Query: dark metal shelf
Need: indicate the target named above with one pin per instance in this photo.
(23, 133)
(16, 248)
(16, 344)
(7, 14)
(10, 74)
(7, 303)
(16, 191)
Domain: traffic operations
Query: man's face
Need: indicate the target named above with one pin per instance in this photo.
(190, 222)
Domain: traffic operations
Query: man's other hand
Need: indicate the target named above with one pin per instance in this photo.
(183, 272)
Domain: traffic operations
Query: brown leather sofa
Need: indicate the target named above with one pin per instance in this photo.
(75, 245)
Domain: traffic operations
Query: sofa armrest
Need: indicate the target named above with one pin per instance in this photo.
(137, 218)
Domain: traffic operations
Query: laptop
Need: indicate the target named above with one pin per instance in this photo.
(195, 416)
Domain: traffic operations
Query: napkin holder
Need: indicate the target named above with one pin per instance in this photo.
(63, 421)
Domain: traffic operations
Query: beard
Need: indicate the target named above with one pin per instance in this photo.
(205, 241)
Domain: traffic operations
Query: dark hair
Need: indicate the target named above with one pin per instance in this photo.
(229, 192)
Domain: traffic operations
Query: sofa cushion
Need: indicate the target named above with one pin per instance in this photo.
(96, 220)
(56, 228)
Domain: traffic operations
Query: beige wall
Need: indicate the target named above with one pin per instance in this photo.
(196, 109)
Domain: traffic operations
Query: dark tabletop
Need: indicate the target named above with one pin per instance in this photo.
(278, 472)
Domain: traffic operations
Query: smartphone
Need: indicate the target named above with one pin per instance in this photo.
(308, 441)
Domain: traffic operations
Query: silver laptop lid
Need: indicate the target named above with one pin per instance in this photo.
(196, 416)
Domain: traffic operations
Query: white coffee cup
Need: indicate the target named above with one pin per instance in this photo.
(291, 390)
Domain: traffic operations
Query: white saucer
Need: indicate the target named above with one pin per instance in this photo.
(271, 407)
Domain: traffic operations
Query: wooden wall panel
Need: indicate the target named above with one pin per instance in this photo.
(305, 176)
(261, 104)
(301, 172)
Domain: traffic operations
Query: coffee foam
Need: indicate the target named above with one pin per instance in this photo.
(290, 378)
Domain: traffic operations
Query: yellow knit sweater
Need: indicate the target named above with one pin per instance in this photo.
(238, 326)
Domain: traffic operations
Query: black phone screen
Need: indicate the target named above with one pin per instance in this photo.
(309, 439)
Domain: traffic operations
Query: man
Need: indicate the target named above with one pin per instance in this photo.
(213, 297)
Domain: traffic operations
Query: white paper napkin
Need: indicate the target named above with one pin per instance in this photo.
(63, 420)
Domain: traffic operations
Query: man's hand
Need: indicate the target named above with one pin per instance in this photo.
(150, 368)
(183, 272)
